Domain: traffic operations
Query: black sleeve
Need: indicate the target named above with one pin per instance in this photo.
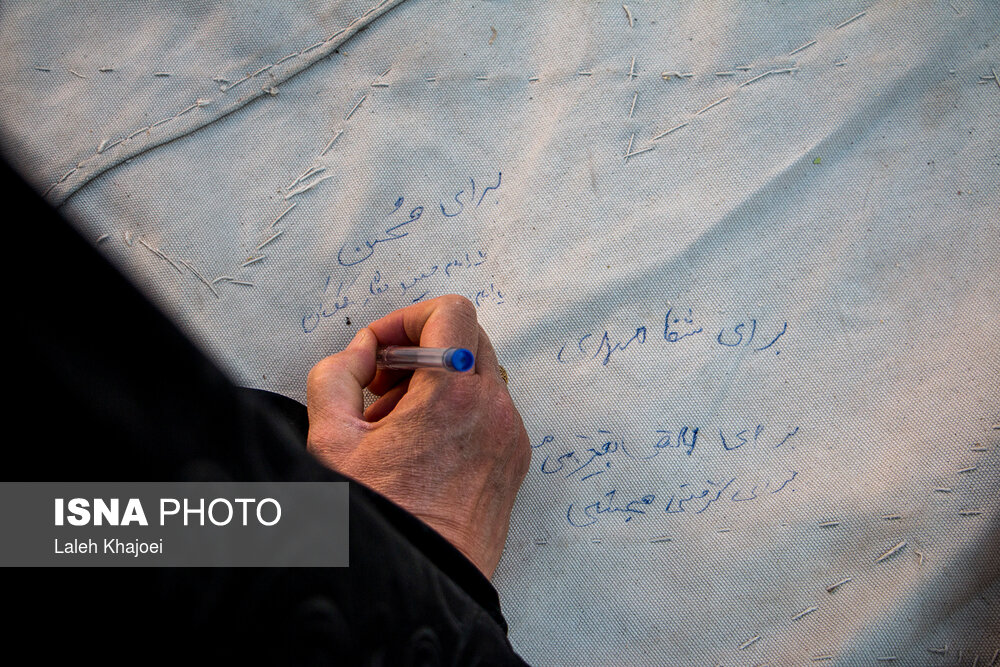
(109, 390)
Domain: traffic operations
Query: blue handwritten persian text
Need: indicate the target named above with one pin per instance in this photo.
(397, 227)
(346, 297)
(678, 327)
(689, 498)
(598, 451)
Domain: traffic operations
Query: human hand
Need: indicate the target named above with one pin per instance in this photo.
(449, 447)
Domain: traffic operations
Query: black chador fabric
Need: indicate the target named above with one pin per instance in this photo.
(105, 388)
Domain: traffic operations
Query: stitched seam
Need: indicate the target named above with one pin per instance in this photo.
(61, 190)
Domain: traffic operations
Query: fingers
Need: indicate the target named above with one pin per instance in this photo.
(386, 379)
(334, 385)
(447, 321)
(386, 402)
(486, 359)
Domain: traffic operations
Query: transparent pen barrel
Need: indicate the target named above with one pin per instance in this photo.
(401, 358)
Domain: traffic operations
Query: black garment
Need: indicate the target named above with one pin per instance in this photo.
(111, 391)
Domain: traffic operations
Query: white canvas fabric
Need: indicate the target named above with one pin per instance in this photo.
(740, 260)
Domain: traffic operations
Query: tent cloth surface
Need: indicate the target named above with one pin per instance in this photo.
(741, 261)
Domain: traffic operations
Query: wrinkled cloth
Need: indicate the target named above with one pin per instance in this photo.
(740, 261)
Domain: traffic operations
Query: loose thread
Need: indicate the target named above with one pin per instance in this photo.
(272, 238)
(638, 152)
(851, 20)
(787, 70)
(224, 88)
(312, 47)
(152, 249)
(833, 587)
(315, 169)
(355, 108)
(159, 253)
(330, 143)
(200, 277)
(377, 83)
(673, 129)
(802, 48)
(804, 612)
(891, 551)
(713, 104)
(252, 260)
(283, 214)
(174, 264)
(306, 188)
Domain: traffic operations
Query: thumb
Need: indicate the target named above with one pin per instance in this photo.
(334, 386)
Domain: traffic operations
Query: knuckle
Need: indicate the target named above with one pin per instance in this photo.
(321, 370)
(508, 421)
(460, 305)
(315, 375)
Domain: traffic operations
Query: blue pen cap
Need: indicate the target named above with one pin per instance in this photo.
(460, 359)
